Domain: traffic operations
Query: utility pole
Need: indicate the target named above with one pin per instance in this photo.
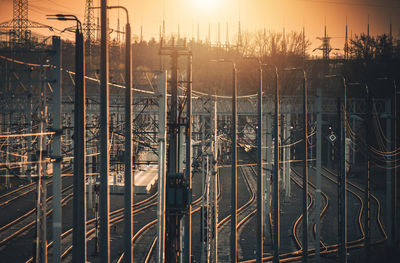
(260, 187)
(203, 225)
(287, 155)
(282, 151)
(318, 176)
(104, 135)
(162, 139)
(56, 153)
(268, 138)
(178, 187)
(339, 157)
(29, 110)
(129, 179)
(79, 204)
(367, 200)
(388, 214)
(234, 169)
(79, 199)
(215, 182)
(188, 173)
(41, 208)
(396, 170)
(395, 176)
(233, 237)
(305, 172)
(342, 175)
(173, 248)
(276, 218)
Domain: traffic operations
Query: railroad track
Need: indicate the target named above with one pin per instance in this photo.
(147, 257)
(244, 213)
(28, 220)
(325, 249)
(142, 233)
(296, 225)
(353, 244)
(360, 211)
(116, 216)
(19, 192)
(378, 220)
(8, 198)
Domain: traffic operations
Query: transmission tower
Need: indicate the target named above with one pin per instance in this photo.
(325, 46)
(89, 26)
(19, 28)
(20, 32)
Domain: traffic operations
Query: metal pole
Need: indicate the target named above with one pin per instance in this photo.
(287, 157)
(338, 158)
(79, 201)
(268, 233)
(162, 135)
(56, 154)
(203, 194)
(208, 206)
(395, 176)
(353, 142)
(388, 215)
(41, 209)
(276, 219)
(128, 197)
(173, 236)
(29, 122)
(104, 136)
(188, 217)
(282, 151)
(305, 173)
(342, 176)
(215, 171)
(234, 169)
(162, 169)
(318, 176)
(260, 187)
(367, 208)
(89, 172)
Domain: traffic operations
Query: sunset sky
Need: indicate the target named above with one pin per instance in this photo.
(254, 15)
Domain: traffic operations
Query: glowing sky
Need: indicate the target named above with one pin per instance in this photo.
(254, 15)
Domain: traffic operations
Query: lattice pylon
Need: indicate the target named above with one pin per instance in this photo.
(20, 21)
(89, 26)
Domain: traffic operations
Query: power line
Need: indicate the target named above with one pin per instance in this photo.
(352, 3)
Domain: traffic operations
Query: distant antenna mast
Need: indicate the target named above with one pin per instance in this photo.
(346, 44)
(239, 44)
(304, 42)
(209, 34)
(198, 33)
(163, 22)
(227, 36)
(284, 41)
(219, 35)
(141, 34)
